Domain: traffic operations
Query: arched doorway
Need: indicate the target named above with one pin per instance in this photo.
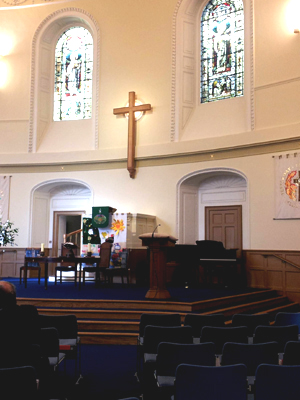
(52, 205)
(210, 187)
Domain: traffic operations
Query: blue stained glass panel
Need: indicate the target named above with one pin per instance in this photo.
(73, 75)
(222, 50)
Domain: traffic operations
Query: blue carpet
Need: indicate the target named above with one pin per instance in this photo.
(67, 290)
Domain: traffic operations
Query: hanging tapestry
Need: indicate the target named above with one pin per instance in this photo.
(90, 234)
(4, 197)
(100, 217)
(287, 186)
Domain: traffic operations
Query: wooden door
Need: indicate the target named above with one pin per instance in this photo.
(224, 224)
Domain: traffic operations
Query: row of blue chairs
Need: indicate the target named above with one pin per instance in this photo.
(229, 382)
(159, 355)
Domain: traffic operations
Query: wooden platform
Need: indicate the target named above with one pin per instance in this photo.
(117, 321)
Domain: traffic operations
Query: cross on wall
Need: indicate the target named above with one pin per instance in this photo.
(130, 110)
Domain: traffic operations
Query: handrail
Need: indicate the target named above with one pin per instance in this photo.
(285, 260)
(66, 235)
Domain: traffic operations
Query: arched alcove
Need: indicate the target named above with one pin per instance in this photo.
(44, 133)
(67, 195)
(189, 118)
(210, 187)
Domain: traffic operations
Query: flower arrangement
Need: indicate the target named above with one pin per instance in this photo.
(7, 233)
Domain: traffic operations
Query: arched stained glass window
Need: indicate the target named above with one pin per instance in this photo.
(222, 50)
(73, 75)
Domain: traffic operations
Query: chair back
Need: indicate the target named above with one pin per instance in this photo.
(291, 355)
(158, 320)
(251, 321)
(251, 355)
(219, 336)
(198, 321)
(173, 334)
(279, 334)
(170, 355)
(32, 253)
(18, 383)
(284, 319)
(66, 325)
(210, 383)
(105, 254)
(277, 382)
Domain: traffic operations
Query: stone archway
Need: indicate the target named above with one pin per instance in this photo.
(210, 187)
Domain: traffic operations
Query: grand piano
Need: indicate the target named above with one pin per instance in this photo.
(217, 261)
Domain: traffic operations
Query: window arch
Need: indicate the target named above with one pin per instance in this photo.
(222, 50)
(73, 75)
(192, 119)
(44, 131)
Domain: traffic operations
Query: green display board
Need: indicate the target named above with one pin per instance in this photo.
(100, 217)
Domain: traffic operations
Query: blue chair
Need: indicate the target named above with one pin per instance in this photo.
(170, 355)
(31, 266)
(251, 355)
(157, 319)
(285, 318)
(154, 335)
(251, 321)
(18, 383)
(277, 382)
(219, 336)
(198, 321)
(154, 319)
(291, 355)
(279, 334)
(211, 383)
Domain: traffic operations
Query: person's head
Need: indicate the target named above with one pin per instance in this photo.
(8, 296)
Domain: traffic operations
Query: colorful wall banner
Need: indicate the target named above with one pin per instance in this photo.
(287, 186)
(90, 234)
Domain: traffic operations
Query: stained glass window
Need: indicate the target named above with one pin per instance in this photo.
(73, 75)
(222, 50)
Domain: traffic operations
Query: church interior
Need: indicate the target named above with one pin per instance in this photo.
(180, 117)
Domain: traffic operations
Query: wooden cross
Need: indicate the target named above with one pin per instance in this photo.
(131, 109)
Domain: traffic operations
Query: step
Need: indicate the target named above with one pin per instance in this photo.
(148, 305)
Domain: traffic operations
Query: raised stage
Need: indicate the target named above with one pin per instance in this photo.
(110, 315)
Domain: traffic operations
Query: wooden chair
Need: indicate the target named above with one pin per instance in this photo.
(65, 267)
(33, 266)
(105, 253)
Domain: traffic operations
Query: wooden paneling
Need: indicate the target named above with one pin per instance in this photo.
(264, 270)
(10, 261)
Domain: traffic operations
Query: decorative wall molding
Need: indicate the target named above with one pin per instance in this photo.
(66, 12)
(15, 4)
(279, 83)
(169, 159)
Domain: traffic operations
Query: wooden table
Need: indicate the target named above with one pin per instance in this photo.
(56, 260)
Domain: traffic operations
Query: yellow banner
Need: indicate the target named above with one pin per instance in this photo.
(10, 4)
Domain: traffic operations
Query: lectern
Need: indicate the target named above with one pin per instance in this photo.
(158, 244)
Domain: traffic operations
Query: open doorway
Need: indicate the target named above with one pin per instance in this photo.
(65, 222)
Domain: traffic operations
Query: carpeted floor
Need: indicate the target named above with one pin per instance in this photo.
(67, 290)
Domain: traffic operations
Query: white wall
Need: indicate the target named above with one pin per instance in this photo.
(136, 55)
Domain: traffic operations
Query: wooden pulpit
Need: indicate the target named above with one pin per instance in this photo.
(158, 244)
